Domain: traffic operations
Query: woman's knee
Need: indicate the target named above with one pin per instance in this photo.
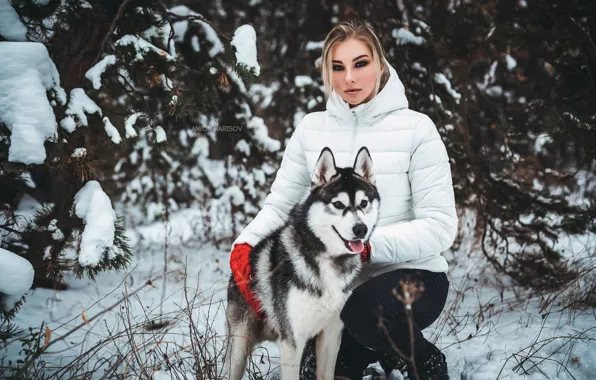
(360, 316)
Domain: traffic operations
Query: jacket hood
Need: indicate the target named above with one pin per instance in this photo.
(392, 97)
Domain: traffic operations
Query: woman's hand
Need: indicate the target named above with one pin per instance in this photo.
(365, 254)
(242, 273)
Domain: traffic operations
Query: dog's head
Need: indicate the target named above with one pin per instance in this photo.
(345, 207)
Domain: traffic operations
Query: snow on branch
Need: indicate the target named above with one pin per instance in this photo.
(245, 42)
(16, 274)
(78, 105)
(183, 15)
(94, 73)
(440, 78)
(95, 208)
(405, 37)
(26, 76)
(11, 27)
(142, 47)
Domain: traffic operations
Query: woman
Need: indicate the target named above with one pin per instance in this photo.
(367, 106)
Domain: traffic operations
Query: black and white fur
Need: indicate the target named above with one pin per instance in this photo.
(304, 271)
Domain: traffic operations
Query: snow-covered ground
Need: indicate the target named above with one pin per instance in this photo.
(489, 329)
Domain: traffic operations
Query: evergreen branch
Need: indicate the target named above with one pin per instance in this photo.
(5, 227)
(194, 19)
(110, 31)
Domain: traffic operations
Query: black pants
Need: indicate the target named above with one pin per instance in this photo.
(364, 342)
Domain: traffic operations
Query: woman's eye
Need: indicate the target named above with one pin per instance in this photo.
(338, 205)
(364, 203)
(364, 63)
(337, 68)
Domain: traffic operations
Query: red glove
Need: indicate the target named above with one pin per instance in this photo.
(365, 254)
(242, 272)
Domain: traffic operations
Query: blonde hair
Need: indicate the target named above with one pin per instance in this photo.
(357, 30)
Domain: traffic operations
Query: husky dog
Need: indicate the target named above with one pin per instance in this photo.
(303, 272)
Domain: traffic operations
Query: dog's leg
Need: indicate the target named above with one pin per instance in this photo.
(290, 356)
(328, 342)
(240, 345)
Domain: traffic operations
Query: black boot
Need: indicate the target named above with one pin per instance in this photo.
(390, 362)
(435, 367)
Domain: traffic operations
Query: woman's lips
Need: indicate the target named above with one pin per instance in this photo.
(352, 92)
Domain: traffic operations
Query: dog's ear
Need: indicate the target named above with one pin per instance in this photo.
(324, 168)
(363, 165)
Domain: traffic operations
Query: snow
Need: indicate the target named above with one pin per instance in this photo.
(57, 234)
(440, 78)
(201, 147)
(541, 140)
(235, 195)
(68, 123)
(242, 146)
(261, 134)
(11, 27)
(511, 62)
(163, 33)
(405, 37)
(130, 122)
(79, 152)
(95, 208)
(489, 77)
(27, 74)
(160, 134)
(111, 131)
(314, 45)
(418, 67)
(245, 42)
(194, 42)
(142, 47)
(166, 375)
(489, 329)
(302, 80)
(16, 274)
(94, 74)
(262, 95)
(26, 176)
(78, 105)
(180, 28)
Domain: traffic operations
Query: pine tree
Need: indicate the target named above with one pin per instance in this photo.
(216, 155)
(140, 97)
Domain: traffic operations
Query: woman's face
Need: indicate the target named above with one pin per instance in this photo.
(353, 68)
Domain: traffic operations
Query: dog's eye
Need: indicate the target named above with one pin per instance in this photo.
(338, 205)
(364, 203)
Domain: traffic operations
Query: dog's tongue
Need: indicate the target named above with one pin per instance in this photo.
(356, 245)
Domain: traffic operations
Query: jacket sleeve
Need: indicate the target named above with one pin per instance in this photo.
(434, 227)
(291, 182)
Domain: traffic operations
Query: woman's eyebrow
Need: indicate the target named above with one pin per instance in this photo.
(360, 56)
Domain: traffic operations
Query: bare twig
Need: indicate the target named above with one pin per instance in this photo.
(40, 351)
(110, 31)
(404, 14)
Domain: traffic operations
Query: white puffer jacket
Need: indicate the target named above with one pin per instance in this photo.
(418, 220)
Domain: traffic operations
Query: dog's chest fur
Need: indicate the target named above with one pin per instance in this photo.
(308, 312)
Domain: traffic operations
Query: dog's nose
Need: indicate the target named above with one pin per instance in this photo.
(360, 230)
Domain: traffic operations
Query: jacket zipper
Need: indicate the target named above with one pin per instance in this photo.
(353, 134)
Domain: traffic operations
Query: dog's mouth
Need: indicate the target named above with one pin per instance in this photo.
(355, 246)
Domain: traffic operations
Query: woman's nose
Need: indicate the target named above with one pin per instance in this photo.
(349, 76)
